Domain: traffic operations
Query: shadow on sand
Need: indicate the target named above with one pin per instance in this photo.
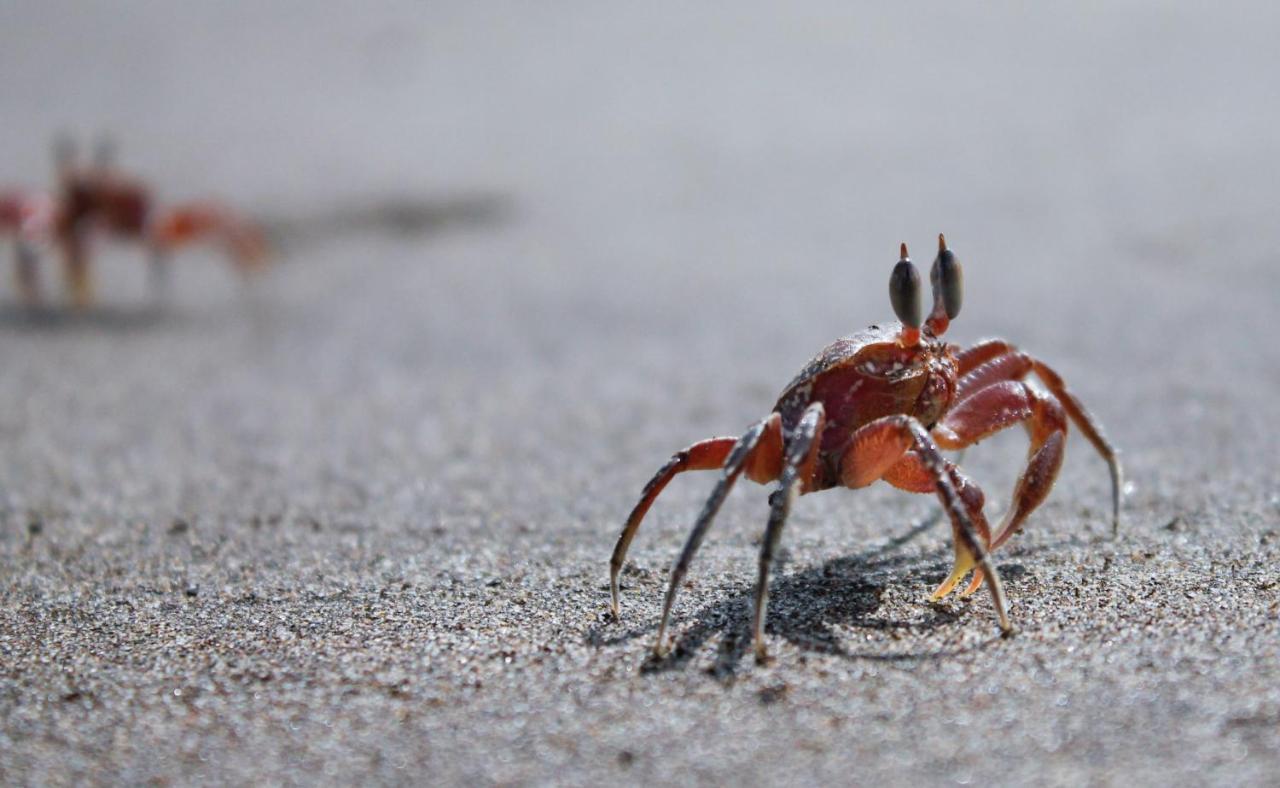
(98, 319)
(389, 216)
(809, 608)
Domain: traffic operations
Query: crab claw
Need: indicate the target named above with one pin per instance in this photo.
(975, 583)
(963, 565)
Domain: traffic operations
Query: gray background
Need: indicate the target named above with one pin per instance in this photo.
(355, 523)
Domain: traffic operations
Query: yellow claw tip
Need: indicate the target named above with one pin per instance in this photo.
(974, 584)
(964, 563)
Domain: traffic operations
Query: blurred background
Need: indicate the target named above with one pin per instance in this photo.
(523, 252)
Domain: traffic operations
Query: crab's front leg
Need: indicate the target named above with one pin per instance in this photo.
(75, 266)
(911, 474)
(877, 447)
(992, 409)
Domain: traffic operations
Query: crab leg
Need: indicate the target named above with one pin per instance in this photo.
(78, 281)
(763, 465)
(1091, 429)
(910, 474)
(1010, 366)
(981, 352)
(990, 410)
(878, 446)
(158, 273)
(798, 467)
(27, 273)
(994, 360)
(702, 456)
(733, 467)
(994, 408)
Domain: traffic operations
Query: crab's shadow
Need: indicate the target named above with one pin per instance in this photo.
(48, 319)
(811, 608)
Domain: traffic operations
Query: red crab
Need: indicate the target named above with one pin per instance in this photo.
(100, 200)
(883, 404)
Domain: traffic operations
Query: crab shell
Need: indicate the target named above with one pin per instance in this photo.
(863, 377)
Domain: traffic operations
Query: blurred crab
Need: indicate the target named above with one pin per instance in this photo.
(883, 404)
(100, 200)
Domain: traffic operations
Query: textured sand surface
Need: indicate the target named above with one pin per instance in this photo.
(355, 524)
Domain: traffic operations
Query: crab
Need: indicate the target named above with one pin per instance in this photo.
(883, 404)
(100, 200)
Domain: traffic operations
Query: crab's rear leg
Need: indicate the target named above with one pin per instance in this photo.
(994, 360)
(750, 453)
(765, 464)
(877, 447)
(797, 472)
(186, 224)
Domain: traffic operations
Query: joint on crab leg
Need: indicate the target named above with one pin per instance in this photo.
(800, 456)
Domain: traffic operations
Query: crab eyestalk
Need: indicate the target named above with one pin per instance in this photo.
(947, 279)
(904, 294)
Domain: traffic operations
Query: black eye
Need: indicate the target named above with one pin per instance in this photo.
(904, 291)
(947, 278)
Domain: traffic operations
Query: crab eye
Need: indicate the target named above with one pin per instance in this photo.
(947, 279)
(904, 291)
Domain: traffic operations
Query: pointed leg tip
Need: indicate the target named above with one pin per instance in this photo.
(615, 594)
(974, 584)
(762, 656)
(947, 587)
(1007, 630)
